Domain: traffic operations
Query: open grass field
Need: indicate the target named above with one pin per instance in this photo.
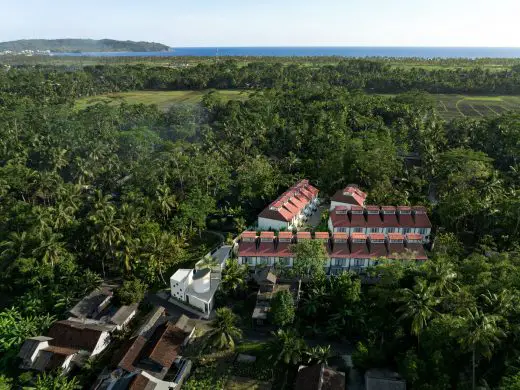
(457, 106)
(163, 99)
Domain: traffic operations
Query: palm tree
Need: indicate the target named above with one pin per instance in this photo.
(224, 332)
(51, 249)
(234, 276)
(288, 346)
(418, 305)
(319, 354)
(313, 302)
(167, 201)
(501, 303)
(480, 335)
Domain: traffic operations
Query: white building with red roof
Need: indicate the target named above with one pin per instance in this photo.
(350, 196)
(291, 209)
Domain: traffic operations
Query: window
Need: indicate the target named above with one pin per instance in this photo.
(342, 230)
(250, 260)
(407, 230)
(391, 230)
(359, 262)
(340, 262)
(264, 260)
(358, 230)
(422, 231)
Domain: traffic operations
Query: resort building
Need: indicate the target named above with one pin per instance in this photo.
(384, 219)
(291, 209)
(354, 252)
(350, 196)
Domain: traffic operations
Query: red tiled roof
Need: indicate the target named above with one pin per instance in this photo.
(422, 221)
(395, 250)
(405, 220)
(247, 249)
(419, 209)
(321, 235)
(291, 208)
(388, 208)
(418, 251)
(340, 250)
(266, 249)
(283, 249)
(266, 234)
(350, 195)
(139, 382)
(71, 334)
(358, 236)
(390, 220)
(376, 236)
(313, 190)
(374, 220)
(165, 345)
(303, 235)
(358, 220)
(339, 220)
(359, 250)
(285, 235)
(395, 236)
(340, 236)
(302, 198)
(377, 249)
(357, 208)
(414, 236)
(306, 193)
(130, 357)
(248, 234)
(298, 203)
(281, 214)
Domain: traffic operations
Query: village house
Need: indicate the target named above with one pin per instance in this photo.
(86, 333)
(319, 377)
(269, 285)
(152, 358)
(291, 209)
(346, 252)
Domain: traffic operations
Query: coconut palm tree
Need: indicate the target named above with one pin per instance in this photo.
(481, 333)
(418, 305)
(234, 276)
(224, 332)
(288, 346)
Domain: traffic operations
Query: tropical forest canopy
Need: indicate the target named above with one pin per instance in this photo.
(129, 191)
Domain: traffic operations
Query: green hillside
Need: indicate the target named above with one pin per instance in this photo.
(81, 45)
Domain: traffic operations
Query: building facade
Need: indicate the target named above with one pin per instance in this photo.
(291, 209)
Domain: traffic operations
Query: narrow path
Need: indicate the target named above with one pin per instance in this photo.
(491, 109)
(443, 105)
(458, 109)
(477, 111)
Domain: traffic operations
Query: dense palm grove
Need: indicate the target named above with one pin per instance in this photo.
(126, 192)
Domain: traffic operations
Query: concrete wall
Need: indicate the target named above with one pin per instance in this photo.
(102, 343)
(198, 303)
(266, 224)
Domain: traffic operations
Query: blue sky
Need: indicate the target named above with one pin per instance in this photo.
(269, 22)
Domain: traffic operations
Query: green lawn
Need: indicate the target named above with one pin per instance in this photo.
(163, 99)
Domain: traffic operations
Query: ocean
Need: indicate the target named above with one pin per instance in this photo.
(416, 52)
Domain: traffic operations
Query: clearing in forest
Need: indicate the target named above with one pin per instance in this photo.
(163, 99)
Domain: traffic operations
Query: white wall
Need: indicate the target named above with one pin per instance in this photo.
(102, 343)
(179, 291)
(266, 224)
(199, 303)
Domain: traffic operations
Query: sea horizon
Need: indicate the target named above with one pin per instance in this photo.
(425, 52)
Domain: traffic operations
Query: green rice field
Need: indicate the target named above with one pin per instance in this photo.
(163, 99)
(459, 106)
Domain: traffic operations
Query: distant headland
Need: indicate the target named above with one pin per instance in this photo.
(80, 45)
